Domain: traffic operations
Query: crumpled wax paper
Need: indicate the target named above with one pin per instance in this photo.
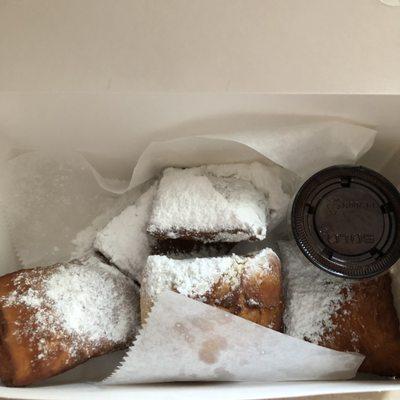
(55, 203)
(49, 199)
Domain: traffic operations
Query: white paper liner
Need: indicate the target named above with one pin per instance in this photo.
(54, 205)
(185, 340)
(50, 199)
(302, 149)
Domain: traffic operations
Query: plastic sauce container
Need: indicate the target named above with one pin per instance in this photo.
(346, 221)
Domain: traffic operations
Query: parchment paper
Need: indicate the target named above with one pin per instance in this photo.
(302, 149)
(185, 340)
(48, 199)
(56, 202)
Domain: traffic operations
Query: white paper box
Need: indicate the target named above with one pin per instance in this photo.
(123, 45)
(290, 46)
(119, 126)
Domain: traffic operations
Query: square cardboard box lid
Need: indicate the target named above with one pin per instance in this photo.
(302, 46)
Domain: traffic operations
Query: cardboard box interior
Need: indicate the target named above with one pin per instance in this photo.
(113, 129)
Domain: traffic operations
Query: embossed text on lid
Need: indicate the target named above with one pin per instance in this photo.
(345, 220)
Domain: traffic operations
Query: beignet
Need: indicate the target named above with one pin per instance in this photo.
(249, 287)
(197, 205)
(341, 314)
(124, 241)
(57, 317)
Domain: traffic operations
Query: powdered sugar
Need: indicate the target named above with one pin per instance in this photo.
(192, 277)
(312, 296)
(266, 179)
(194, 200)
(87, 302)
(93, 290)
(83, 242)
(124, 240)
(195, 277)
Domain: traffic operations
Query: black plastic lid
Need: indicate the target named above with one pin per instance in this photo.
(346, 221)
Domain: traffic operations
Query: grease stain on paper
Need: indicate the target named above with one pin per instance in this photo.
(184, 331)
(211, 348)
(202, 323)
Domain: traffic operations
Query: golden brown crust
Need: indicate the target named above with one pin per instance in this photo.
(368, 324)
(6, 363)
(257, 298)
(21, 361)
